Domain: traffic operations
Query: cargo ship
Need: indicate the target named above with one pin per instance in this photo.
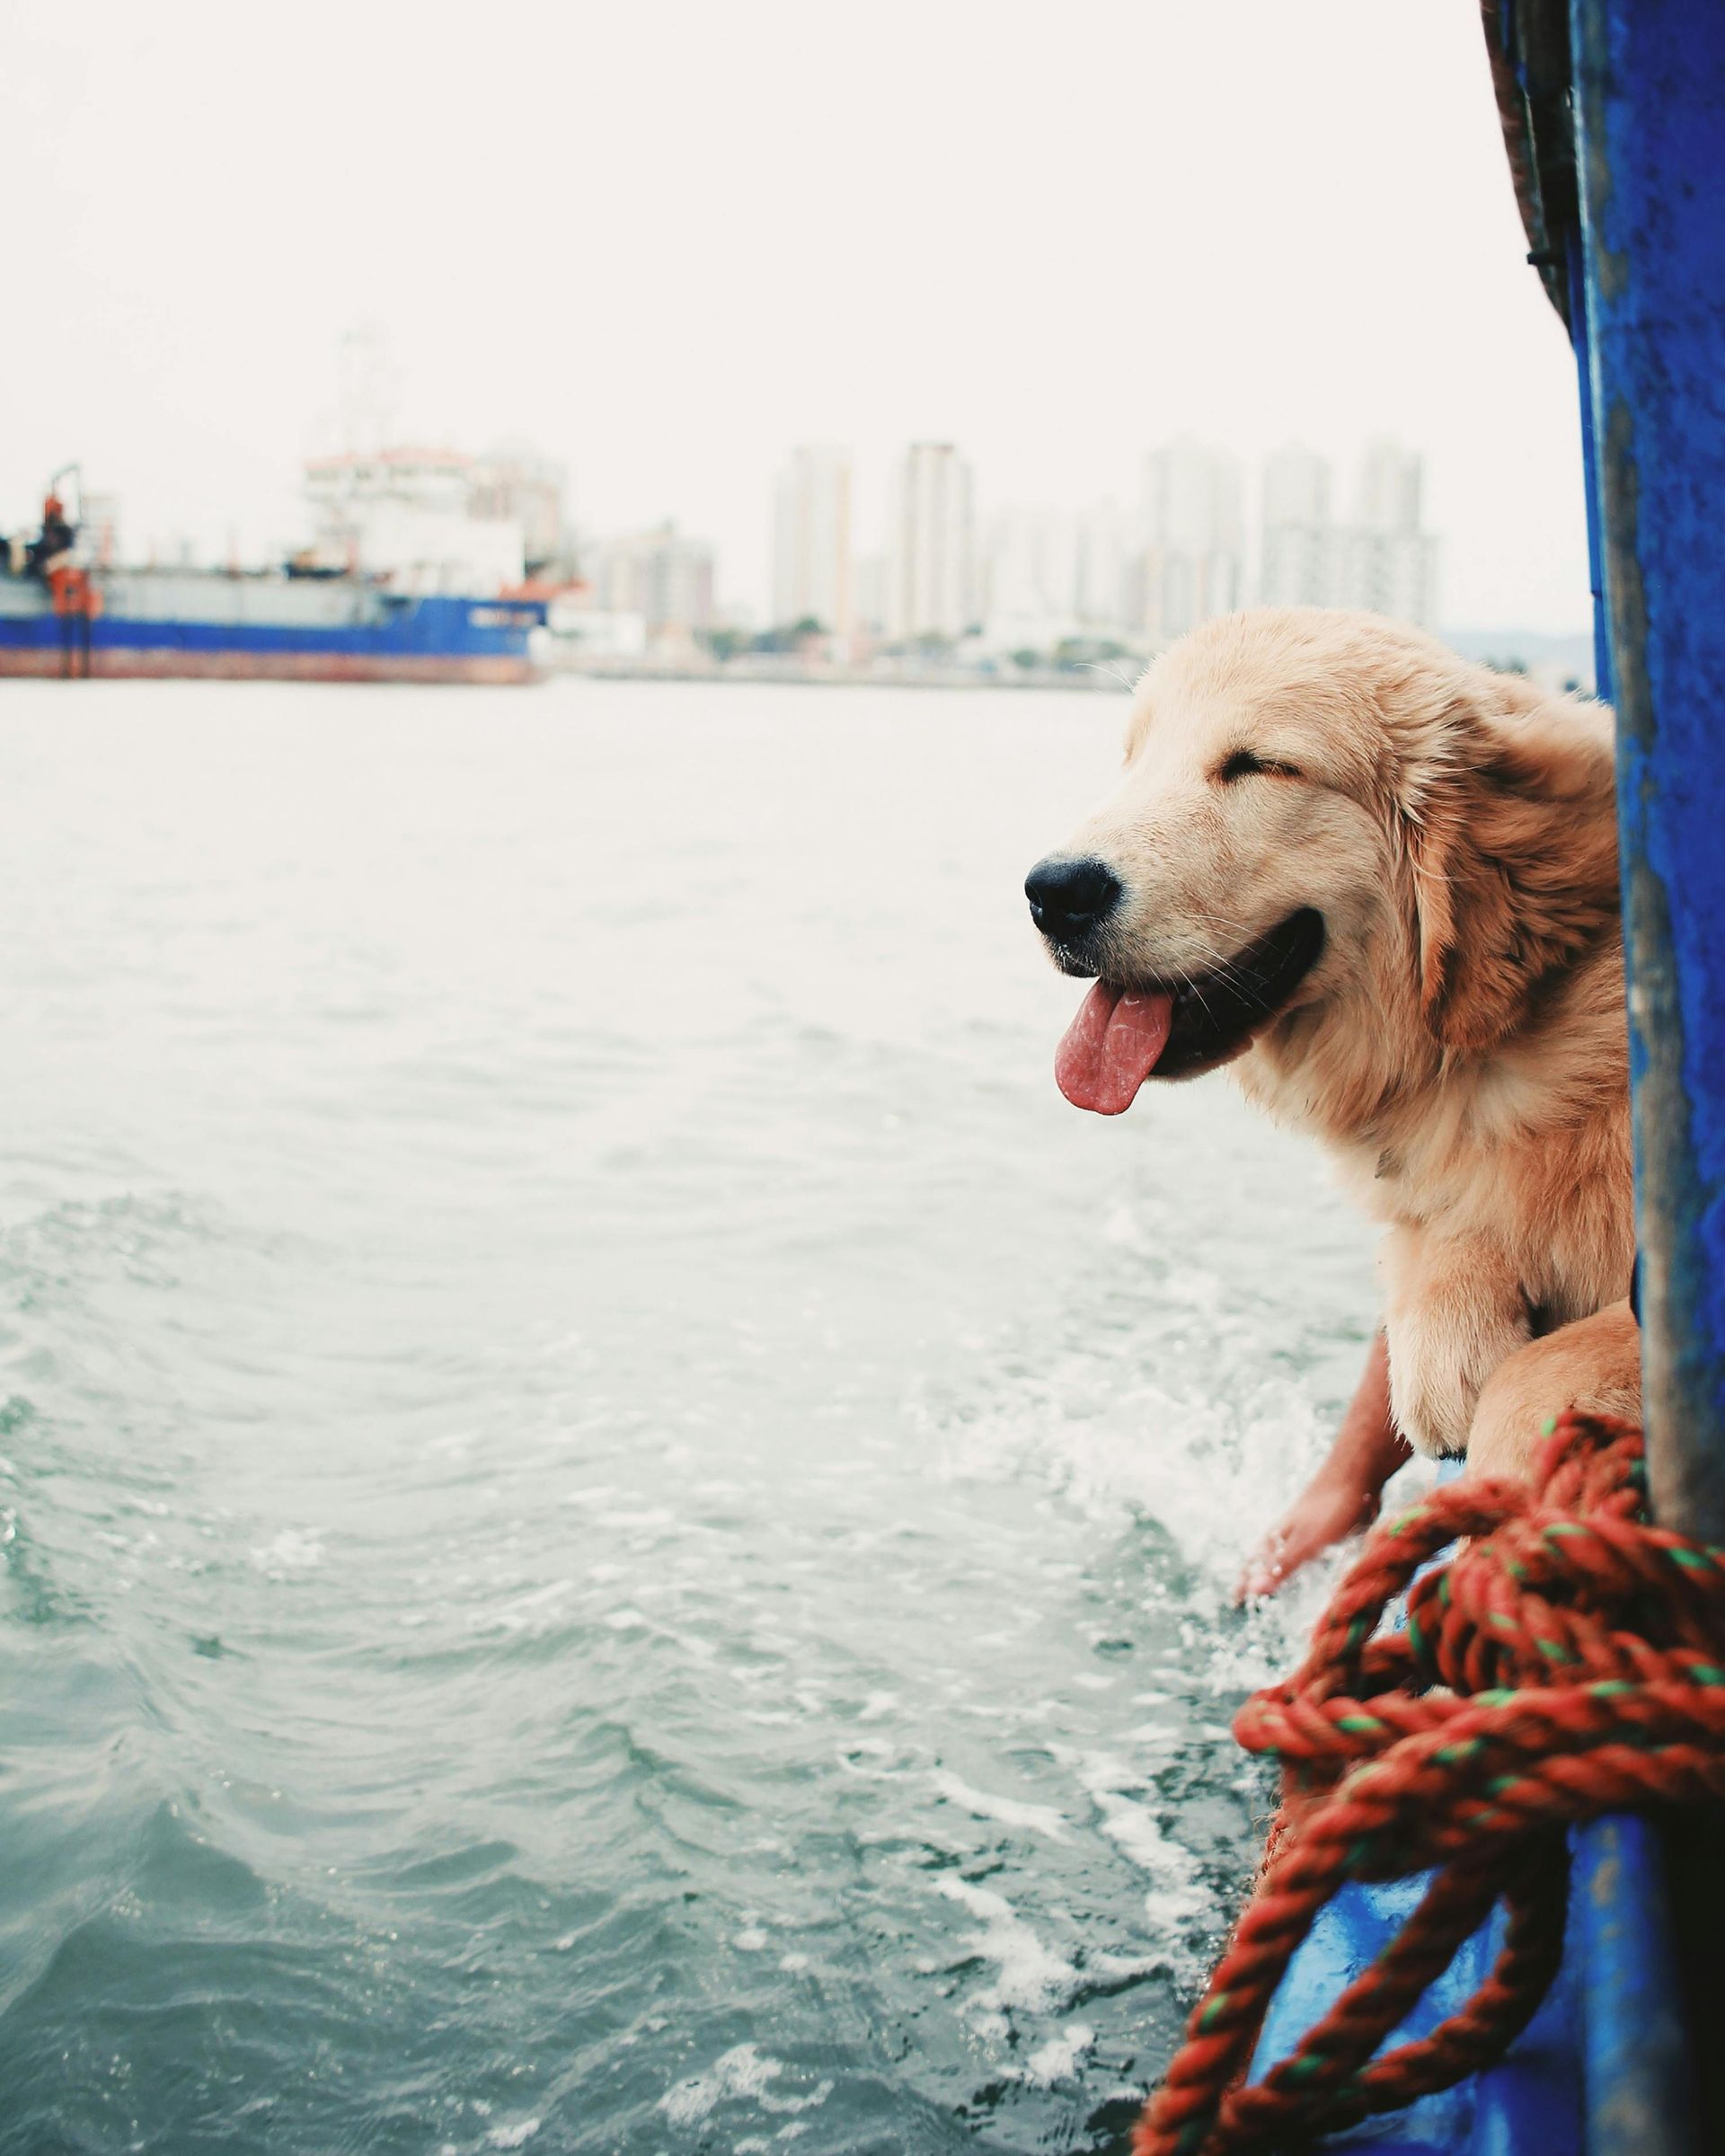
(402, 585)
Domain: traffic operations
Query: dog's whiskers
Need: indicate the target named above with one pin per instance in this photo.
(1222, 967)
(1223, 921)
(1192, 989)
(1097, 666)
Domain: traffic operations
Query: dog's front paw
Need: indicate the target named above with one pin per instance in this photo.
(1431, 1397)
(1457, 1311)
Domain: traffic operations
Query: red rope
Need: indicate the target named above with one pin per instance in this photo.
(1564, 1662)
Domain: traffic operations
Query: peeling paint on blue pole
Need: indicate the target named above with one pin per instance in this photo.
(1649, 78)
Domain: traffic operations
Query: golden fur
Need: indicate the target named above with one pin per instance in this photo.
(1460, 1046)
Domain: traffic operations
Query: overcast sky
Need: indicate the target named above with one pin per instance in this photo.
(664, 240)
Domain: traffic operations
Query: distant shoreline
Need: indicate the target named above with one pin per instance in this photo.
(757, 675)
(1551, 658)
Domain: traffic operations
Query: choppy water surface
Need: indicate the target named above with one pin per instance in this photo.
(618, 1524)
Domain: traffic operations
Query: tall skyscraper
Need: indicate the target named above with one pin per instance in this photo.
(659, 575)
(1388, 562)
(1388, 489)
(1382, 559)
(1298, 563)
(1193, 529)
(932, 577)
(813, 570)
(1099, 582)
(1027, 573)
(1297, 488)
(873, 579)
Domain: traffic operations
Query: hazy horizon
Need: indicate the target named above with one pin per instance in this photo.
(663, 245)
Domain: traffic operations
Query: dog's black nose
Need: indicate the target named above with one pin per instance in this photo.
(1068, 898)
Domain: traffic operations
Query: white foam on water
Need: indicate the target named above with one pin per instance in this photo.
(855, 1756)
(652, 1519)
(813, 2100)
(1154, 1737)
(591, 1493)
(692, 1643)
(1176, 1899)
(513, 2137)
(744, 2074)
(1057, 2059)
(1214, 1470)
(1010, 1811)
(1032, 1976)
(294, 1550)
(529, 1613)
(1122, 1230)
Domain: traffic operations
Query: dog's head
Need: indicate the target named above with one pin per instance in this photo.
(1322, 810)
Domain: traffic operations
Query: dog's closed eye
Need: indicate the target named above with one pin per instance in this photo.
(1244, 763)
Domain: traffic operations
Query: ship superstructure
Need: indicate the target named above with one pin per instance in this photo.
(402, 582)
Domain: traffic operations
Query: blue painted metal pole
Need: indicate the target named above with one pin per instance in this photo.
(1651, 116)
(1635, 2043)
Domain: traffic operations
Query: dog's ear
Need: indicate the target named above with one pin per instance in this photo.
(1513, 848)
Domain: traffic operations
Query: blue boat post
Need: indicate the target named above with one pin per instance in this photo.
(1650, 109)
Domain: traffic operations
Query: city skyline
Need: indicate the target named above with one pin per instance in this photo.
(1028, 578)
(1147, 571)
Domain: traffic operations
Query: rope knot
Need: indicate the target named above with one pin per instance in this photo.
(1566, 1660)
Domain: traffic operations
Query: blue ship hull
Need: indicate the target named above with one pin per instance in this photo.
(183, 623)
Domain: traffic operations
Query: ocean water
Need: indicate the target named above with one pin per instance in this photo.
(617, 1525)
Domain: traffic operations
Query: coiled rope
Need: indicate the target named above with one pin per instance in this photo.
(1566, 1661)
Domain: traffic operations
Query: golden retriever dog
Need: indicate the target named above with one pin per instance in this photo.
(1380, 885)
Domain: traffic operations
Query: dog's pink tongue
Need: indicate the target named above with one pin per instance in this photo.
(1111, 1047)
